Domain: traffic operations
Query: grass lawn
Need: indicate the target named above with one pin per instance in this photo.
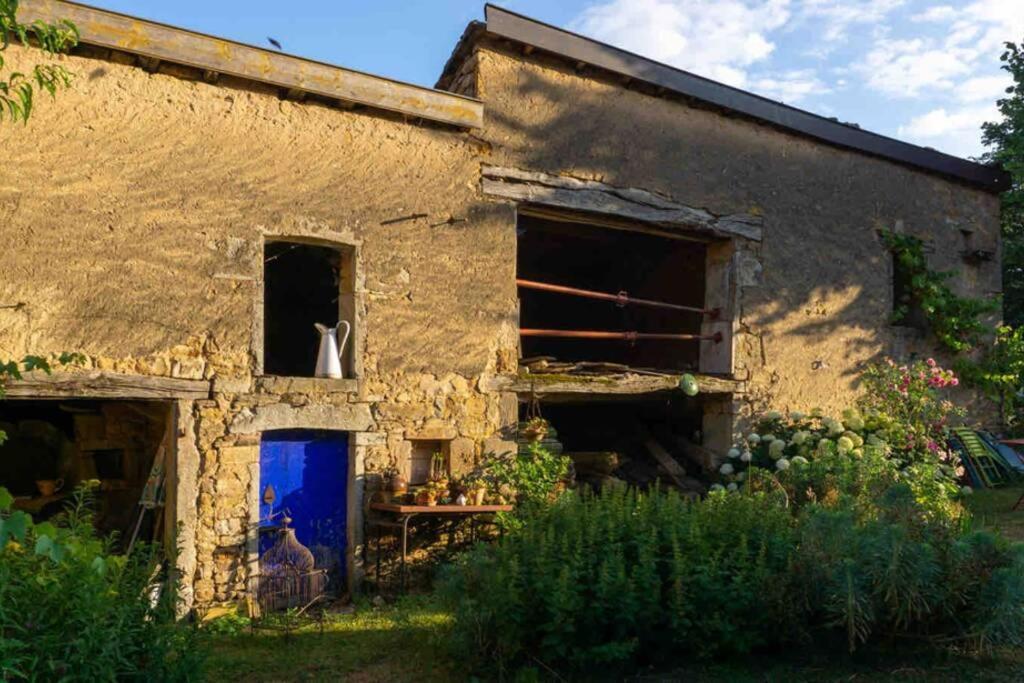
(367, 646)
(406, 643)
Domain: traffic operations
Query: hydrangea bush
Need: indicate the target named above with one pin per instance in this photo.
(902, 421)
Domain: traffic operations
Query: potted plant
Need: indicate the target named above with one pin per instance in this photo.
(439, 469)
(475, 489)
(535, 429)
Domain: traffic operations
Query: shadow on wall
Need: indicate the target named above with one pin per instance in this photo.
(826, 276)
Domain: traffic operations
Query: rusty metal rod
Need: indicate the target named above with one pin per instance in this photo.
(622, 298)
(627, 336)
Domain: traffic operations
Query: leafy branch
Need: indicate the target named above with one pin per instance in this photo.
(954, 319)
(18, 89)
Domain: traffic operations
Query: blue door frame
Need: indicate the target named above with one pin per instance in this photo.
(309, 472)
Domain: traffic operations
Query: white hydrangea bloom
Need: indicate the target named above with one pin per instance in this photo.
(732, 487)
(726, 469)
(717, 487)
(747, 456)
(800, 460)
(856, 423)
(753, 438)
(844, 444)
(797, 416)
(800, 438)
(733, 453)
(773, 415)
(782, 464)
(776, 447)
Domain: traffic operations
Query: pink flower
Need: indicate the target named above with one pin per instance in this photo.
(954, 382)
(933, 447)
(931, 362)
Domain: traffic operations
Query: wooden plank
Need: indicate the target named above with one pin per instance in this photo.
(156, 41)
(99, 384)
(606, 385)
(674, 469)
(630, 203)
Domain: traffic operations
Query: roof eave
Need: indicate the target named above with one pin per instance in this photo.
(502, 23)
(156, 41)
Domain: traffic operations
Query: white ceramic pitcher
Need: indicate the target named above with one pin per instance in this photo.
(328, 360)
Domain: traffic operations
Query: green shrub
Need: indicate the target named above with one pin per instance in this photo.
(623, 579)
(70, 609)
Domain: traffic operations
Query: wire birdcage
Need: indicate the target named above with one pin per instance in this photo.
(288, 576)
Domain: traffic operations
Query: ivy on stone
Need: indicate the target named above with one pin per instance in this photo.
(953, 319)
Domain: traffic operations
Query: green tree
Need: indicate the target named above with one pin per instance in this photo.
(1006, 140)
(17, 88)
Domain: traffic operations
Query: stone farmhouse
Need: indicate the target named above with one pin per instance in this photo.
(192, 206)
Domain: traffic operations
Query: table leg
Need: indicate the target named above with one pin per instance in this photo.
(405, 544)
(379, 536)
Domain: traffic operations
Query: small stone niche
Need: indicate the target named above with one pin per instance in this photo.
(421, 458)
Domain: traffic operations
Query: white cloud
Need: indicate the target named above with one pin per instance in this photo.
(983, 88)
(955, 131)
(839, 16)
(906, 68)
(789, 86)
(938, 13)
(717, 39)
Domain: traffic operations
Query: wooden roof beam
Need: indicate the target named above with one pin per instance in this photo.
(160, 42)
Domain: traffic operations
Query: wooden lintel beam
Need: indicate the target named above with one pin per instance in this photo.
(630, 203)
(99, 384)
(167, 43)
(606, 385)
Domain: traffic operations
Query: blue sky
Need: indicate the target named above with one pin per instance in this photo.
(926, 71)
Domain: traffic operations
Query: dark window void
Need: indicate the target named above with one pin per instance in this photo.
(608, 260)
(304, 284)
(630, 428)
(52, 447)
(906, 309)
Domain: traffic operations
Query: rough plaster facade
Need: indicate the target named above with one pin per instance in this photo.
(815, 295)
(139, 203)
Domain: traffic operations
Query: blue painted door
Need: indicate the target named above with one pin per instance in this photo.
(308, 470)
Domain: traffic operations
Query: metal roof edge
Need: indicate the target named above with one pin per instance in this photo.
(521, 29)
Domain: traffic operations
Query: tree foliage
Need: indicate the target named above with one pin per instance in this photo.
(1006, 139)
(18, 89)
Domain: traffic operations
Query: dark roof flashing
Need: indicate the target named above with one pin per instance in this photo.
(502, 23)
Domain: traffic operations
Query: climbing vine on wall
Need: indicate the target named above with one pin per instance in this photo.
(18, 89)
(954, 320)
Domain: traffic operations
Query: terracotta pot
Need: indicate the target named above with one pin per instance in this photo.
(535, 434)
(48, 487)
(398, 486)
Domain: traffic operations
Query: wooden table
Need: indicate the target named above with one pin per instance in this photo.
(403, 514)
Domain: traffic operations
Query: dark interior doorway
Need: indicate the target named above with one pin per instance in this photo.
(54, 447)
(602, 259)
(302, 286)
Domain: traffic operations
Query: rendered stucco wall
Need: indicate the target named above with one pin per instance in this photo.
(815, 296)
(137, 204)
